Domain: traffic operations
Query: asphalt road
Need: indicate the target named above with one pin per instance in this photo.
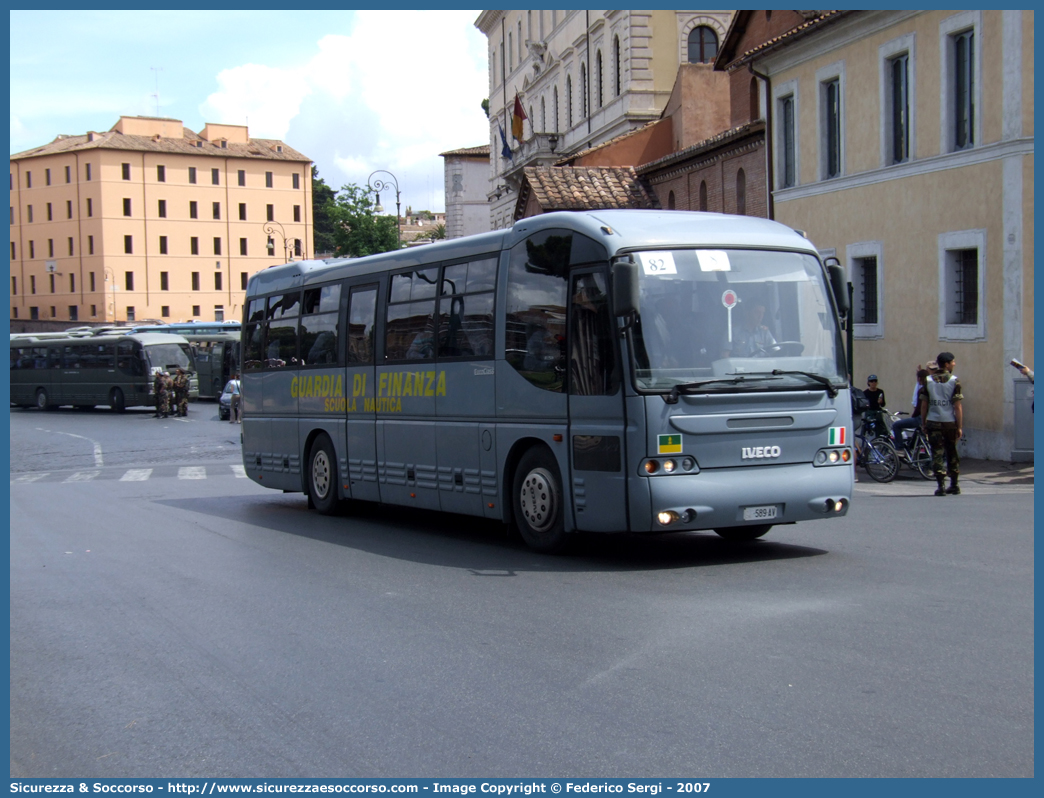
(171, 618)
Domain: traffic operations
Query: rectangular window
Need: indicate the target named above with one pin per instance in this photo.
(219, 312)
(964, 90)
(70, 246)
(899, 111)
(126, 206)
(54, 312)
(217, 210)
(128, 280)
(74, 313)
(242, 281)
(68, 209)
(32, 284)
(162, 210)
(29, 213)
(192, 174)
(162, 245)
(14, 285)
(217, 245)
(217, 281)
(13, 256)
(193, 209)
(47, 176)
(297, 180)
(297, 247)
(94, 310)
(865, 279)
(268, 180)
(87, 171)
(242, 246)
(50, 279)
(14, 313)
(242, 212)
(963, 307)
(50, 212)
(194, 245)
(270, 211)
(195, 311)
(68, 174)
(92, 280)
(32, 249)
(12, 214)
(128, 245)
(50, 247)
(165, 311)
(90, 207)
(832, 127)
(34, 313)
(962, 266)
(72, 283)
(195, 282)
(215, 177)
(788, 165)
(90, 251)
(28, 179)
(164, 281)
(126, 171)
(130, 313)
(242, 177)
(297, 213)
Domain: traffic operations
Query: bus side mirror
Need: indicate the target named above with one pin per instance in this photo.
(625, 288)
(837, 285)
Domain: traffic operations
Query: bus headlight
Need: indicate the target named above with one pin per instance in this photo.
(651, 466)
(829, 457)
(667, 517)
(669, 466)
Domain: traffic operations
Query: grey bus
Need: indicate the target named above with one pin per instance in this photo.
(605, 371)
(114, 370)
(215, 350)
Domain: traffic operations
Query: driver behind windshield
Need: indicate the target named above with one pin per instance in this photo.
(750, 338)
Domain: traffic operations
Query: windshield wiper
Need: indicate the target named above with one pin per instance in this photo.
(676, 390)
(826, 383)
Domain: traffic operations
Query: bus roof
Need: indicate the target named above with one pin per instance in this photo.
(619, 230)
(145, 338)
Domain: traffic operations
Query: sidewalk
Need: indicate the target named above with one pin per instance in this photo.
(977, 476)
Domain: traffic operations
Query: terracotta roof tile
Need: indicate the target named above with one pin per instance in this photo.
(481, 150)
(585, 188)
(817, 21)
(604, 144)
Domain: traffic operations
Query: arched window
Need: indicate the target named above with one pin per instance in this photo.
(569, 101)
(703, 45)
(703, 195)
(598, 76)
(583, 91)
(616, 64)
(755, 104)
(741, 193)
(670, 201)
(555, 109)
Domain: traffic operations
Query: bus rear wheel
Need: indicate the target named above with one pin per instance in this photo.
(43, 402)
(322, 476)
(742, 533)
(538, 502)
(117, 401)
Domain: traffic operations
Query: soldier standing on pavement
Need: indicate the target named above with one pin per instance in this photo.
(181, 385)
(162, 386)
(942, 415)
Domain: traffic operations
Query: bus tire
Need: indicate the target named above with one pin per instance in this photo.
(538, 502)
(737, 534)
(43, 402)
(116, 401)
(322, 476)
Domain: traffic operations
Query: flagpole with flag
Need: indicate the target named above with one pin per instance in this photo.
(517, 118)
(505, 151)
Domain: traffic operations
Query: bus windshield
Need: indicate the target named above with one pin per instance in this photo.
(167, 357)
(730, 320)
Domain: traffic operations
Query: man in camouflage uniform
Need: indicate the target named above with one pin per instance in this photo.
(161, 386)
(942, 415)
(181, 389)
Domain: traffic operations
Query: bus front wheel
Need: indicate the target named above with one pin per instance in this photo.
(538, 502)
(741, 533)
(322, 476)
(116, 401)
(43, 402)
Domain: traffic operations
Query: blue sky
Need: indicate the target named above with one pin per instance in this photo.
(355, 91)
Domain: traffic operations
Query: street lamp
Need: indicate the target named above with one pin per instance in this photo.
(377, 186)
(272, 228)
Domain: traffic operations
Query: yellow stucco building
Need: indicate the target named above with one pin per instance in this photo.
(902, 142)
(151, 221)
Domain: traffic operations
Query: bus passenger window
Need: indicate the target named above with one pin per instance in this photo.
(592, 365)
(319, 340)
(253, 350)
(466, 309)
(362, 313)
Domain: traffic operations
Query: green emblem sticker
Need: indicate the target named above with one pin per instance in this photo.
(668, 444)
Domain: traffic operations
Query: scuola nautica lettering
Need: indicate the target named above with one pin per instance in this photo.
(760, 452)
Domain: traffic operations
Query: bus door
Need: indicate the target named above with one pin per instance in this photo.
(596, 407)
(360, 392)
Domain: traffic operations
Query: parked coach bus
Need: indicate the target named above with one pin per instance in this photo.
(608, 371)
(114, 370)
(215, 349)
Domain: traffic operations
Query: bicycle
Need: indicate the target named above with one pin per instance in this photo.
(914, 450)
(876, 454)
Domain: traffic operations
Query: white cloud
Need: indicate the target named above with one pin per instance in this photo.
(263, 97)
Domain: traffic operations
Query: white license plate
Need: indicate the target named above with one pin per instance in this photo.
(759, 513)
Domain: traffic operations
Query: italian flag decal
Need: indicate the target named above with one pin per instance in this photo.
(838, 436)
(669, 444)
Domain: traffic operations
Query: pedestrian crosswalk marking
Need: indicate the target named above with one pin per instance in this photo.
(136, 475)
(192, 472)
(82, 476)
(239, 471)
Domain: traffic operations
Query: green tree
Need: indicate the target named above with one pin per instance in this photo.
(485, 107)
(322, 214)
(438, 232)
(358, 230)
